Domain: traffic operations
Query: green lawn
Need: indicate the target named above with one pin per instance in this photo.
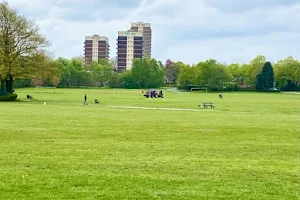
(248, 147)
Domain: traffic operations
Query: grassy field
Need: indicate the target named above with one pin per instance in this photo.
(248, 147)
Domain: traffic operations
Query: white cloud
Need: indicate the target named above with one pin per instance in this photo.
(271, 29)
(238, 49)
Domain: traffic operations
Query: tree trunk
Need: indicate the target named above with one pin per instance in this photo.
(9, 84)
(3, 88)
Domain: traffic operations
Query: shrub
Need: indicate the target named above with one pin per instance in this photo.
(290, 86)
(9, 97)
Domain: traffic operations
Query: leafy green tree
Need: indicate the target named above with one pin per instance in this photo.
(172, 70)
(268, 76)
(187, 76)
(96, 70)
(253, 69)
(78, 74)
(287, 71)
(65, 72)
(212, 74)
(145, 73)
(235, 71)
(290, 86)
(116, 80)
(259, 82)
(101, 71)
(20, 41)
(73, 73)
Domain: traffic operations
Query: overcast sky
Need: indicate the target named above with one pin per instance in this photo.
(183, 30)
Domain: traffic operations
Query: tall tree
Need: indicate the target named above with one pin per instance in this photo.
(116, 80)
(20, 41)
(287, 71)
(187, 76)
(212, 74)
(145, 73)
(96, 70)
(65, 72)
(268, 76)
(253, 69)
(101, 71)
(78, 74)
(259, 82)
(172, 70)
(235, 70)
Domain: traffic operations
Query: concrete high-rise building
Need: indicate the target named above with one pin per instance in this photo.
(130, 45)
(95, 48)
(145, 29)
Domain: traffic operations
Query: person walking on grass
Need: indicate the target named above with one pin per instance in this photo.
(85, 100)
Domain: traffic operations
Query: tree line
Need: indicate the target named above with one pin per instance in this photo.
(258, 74)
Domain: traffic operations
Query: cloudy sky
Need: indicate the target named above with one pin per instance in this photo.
(183, 30)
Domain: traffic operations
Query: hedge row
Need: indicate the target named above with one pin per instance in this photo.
(9, 97)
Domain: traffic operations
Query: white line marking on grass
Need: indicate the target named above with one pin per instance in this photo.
(291, 92)
(150, 108)
(173, 90)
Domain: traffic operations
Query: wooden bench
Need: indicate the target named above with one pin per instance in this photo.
(207, 104)
(97, 101)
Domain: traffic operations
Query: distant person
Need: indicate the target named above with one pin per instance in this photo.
(220, 96)
(85, 100)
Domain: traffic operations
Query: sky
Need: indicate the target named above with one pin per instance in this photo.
(230, 31)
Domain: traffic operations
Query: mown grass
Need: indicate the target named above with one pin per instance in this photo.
(246, 148)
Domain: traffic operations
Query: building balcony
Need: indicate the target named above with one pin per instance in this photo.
(138, 56)
(120, 43)
(103, 49)
(122, 56)
(122, 48)
(121, 63)
(103, 52)
(138, 42)
(138, 45)
(102, 57)
(121, 53)
(122, 38)
(103, 46)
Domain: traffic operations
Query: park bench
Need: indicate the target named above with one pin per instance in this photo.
(29, 96)
(97, 101)
(207, 104)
